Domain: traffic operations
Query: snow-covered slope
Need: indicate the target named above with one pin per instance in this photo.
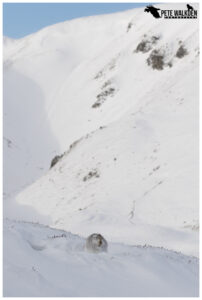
(117, 97)
(130, 131)
(49, 262)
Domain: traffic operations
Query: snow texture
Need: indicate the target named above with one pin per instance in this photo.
(41, 261)
(115, 99)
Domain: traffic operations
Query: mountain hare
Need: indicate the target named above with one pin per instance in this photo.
(96, 243)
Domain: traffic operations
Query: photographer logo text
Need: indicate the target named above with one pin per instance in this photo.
(188, 13)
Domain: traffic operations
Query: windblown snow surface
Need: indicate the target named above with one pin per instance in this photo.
(116, 96)
(50, 262)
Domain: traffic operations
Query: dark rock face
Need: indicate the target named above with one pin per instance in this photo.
(156, 60)
(181, 52)
(55, 160)
(103, 96)
(146, 44)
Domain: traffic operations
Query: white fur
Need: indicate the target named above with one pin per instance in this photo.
(96, 243)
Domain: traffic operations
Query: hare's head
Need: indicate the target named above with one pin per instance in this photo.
(97, 239)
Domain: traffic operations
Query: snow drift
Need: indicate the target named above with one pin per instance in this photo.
(53, 263)
(114, 100)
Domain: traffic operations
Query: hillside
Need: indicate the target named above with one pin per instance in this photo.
(53, 263)
(116, 98)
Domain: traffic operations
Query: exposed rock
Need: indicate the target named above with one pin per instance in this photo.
(181, 52)
(156, 60)
(94, 173)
